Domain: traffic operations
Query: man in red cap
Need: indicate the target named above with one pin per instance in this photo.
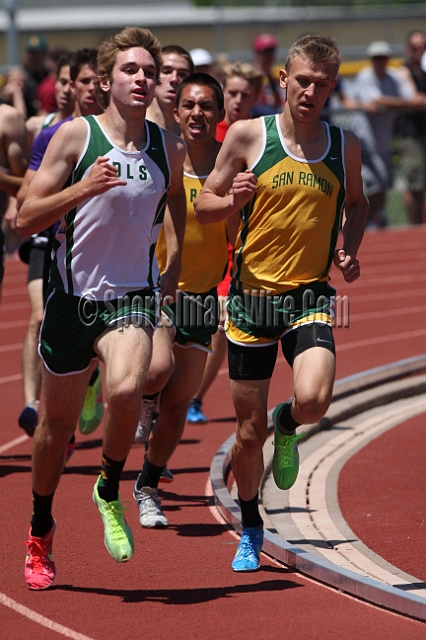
(271, 100)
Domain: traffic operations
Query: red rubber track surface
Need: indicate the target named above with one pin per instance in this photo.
(387, 513)
(179, 583)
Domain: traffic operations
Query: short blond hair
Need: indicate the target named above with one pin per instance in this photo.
(317, 49)
(243, 70)
(127, 39)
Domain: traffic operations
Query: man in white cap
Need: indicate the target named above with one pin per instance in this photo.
(202, 60)
(379, 91)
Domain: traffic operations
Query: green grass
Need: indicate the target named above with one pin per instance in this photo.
(395, 209)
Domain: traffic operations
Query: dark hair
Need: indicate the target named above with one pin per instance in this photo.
(202, 80)
(79, 58)
(63, 61)
(180, 51)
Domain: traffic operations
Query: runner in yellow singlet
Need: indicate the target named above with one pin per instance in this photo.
(296, 178)
(193, 319)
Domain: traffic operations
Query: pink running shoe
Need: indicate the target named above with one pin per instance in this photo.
(40, 569)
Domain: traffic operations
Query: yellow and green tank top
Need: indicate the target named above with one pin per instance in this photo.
(289, 228)
(205, 247)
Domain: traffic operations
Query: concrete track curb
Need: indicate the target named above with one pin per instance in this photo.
(352, 395)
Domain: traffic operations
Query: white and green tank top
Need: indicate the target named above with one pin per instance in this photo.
(105, 247)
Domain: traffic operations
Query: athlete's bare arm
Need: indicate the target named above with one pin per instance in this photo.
(15, 151)
(33, 126)
(175, 216)
(231, 185)
(12, 211)
(46, 200)
(28, 178)
(356, 210)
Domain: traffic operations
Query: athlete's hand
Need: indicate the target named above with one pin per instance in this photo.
(11, 214)
(244, 186)
(102, 177)
(347, 265)
(222, 300)
(169, 281)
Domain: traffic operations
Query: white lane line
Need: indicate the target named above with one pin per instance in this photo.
(21, 609)
(362, 298)
(208, 492)
(378, 281)
(42, 620)
(14, 324)
(13, 443)
(9, 293)
(15, 306)
(11, 347)
(380, 339)
(386, 313)
(14, 378)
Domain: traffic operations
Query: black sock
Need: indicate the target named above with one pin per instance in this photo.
(110, 478)
(94, 377)
(286, 423)
(250, 513)
(41, 519)
(149, 476)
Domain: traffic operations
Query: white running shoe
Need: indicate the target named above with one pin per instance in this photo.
(145, 420)
(150, 513)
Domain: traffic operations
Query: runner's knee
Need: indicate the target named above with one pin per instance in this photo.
(251, 438)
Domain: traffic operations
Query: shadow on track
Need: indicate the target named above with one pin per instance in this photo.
(188, 596)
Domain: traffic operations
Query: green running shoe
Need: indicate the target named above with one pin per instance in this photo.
(118, 536)
(285, 463)
(93, 408)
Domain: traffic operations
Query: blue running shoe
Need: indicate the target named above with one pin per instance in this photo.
(194, 413)
(248, 551)
(166, 475)
(28, 418)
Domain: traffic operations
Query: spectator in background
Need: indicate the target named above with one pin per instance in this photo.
(378, 91)
(14, 91)
(411, 127)
(37, 69)
(217, 68)
(46, 90)
(271, 98)
(343, 99)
